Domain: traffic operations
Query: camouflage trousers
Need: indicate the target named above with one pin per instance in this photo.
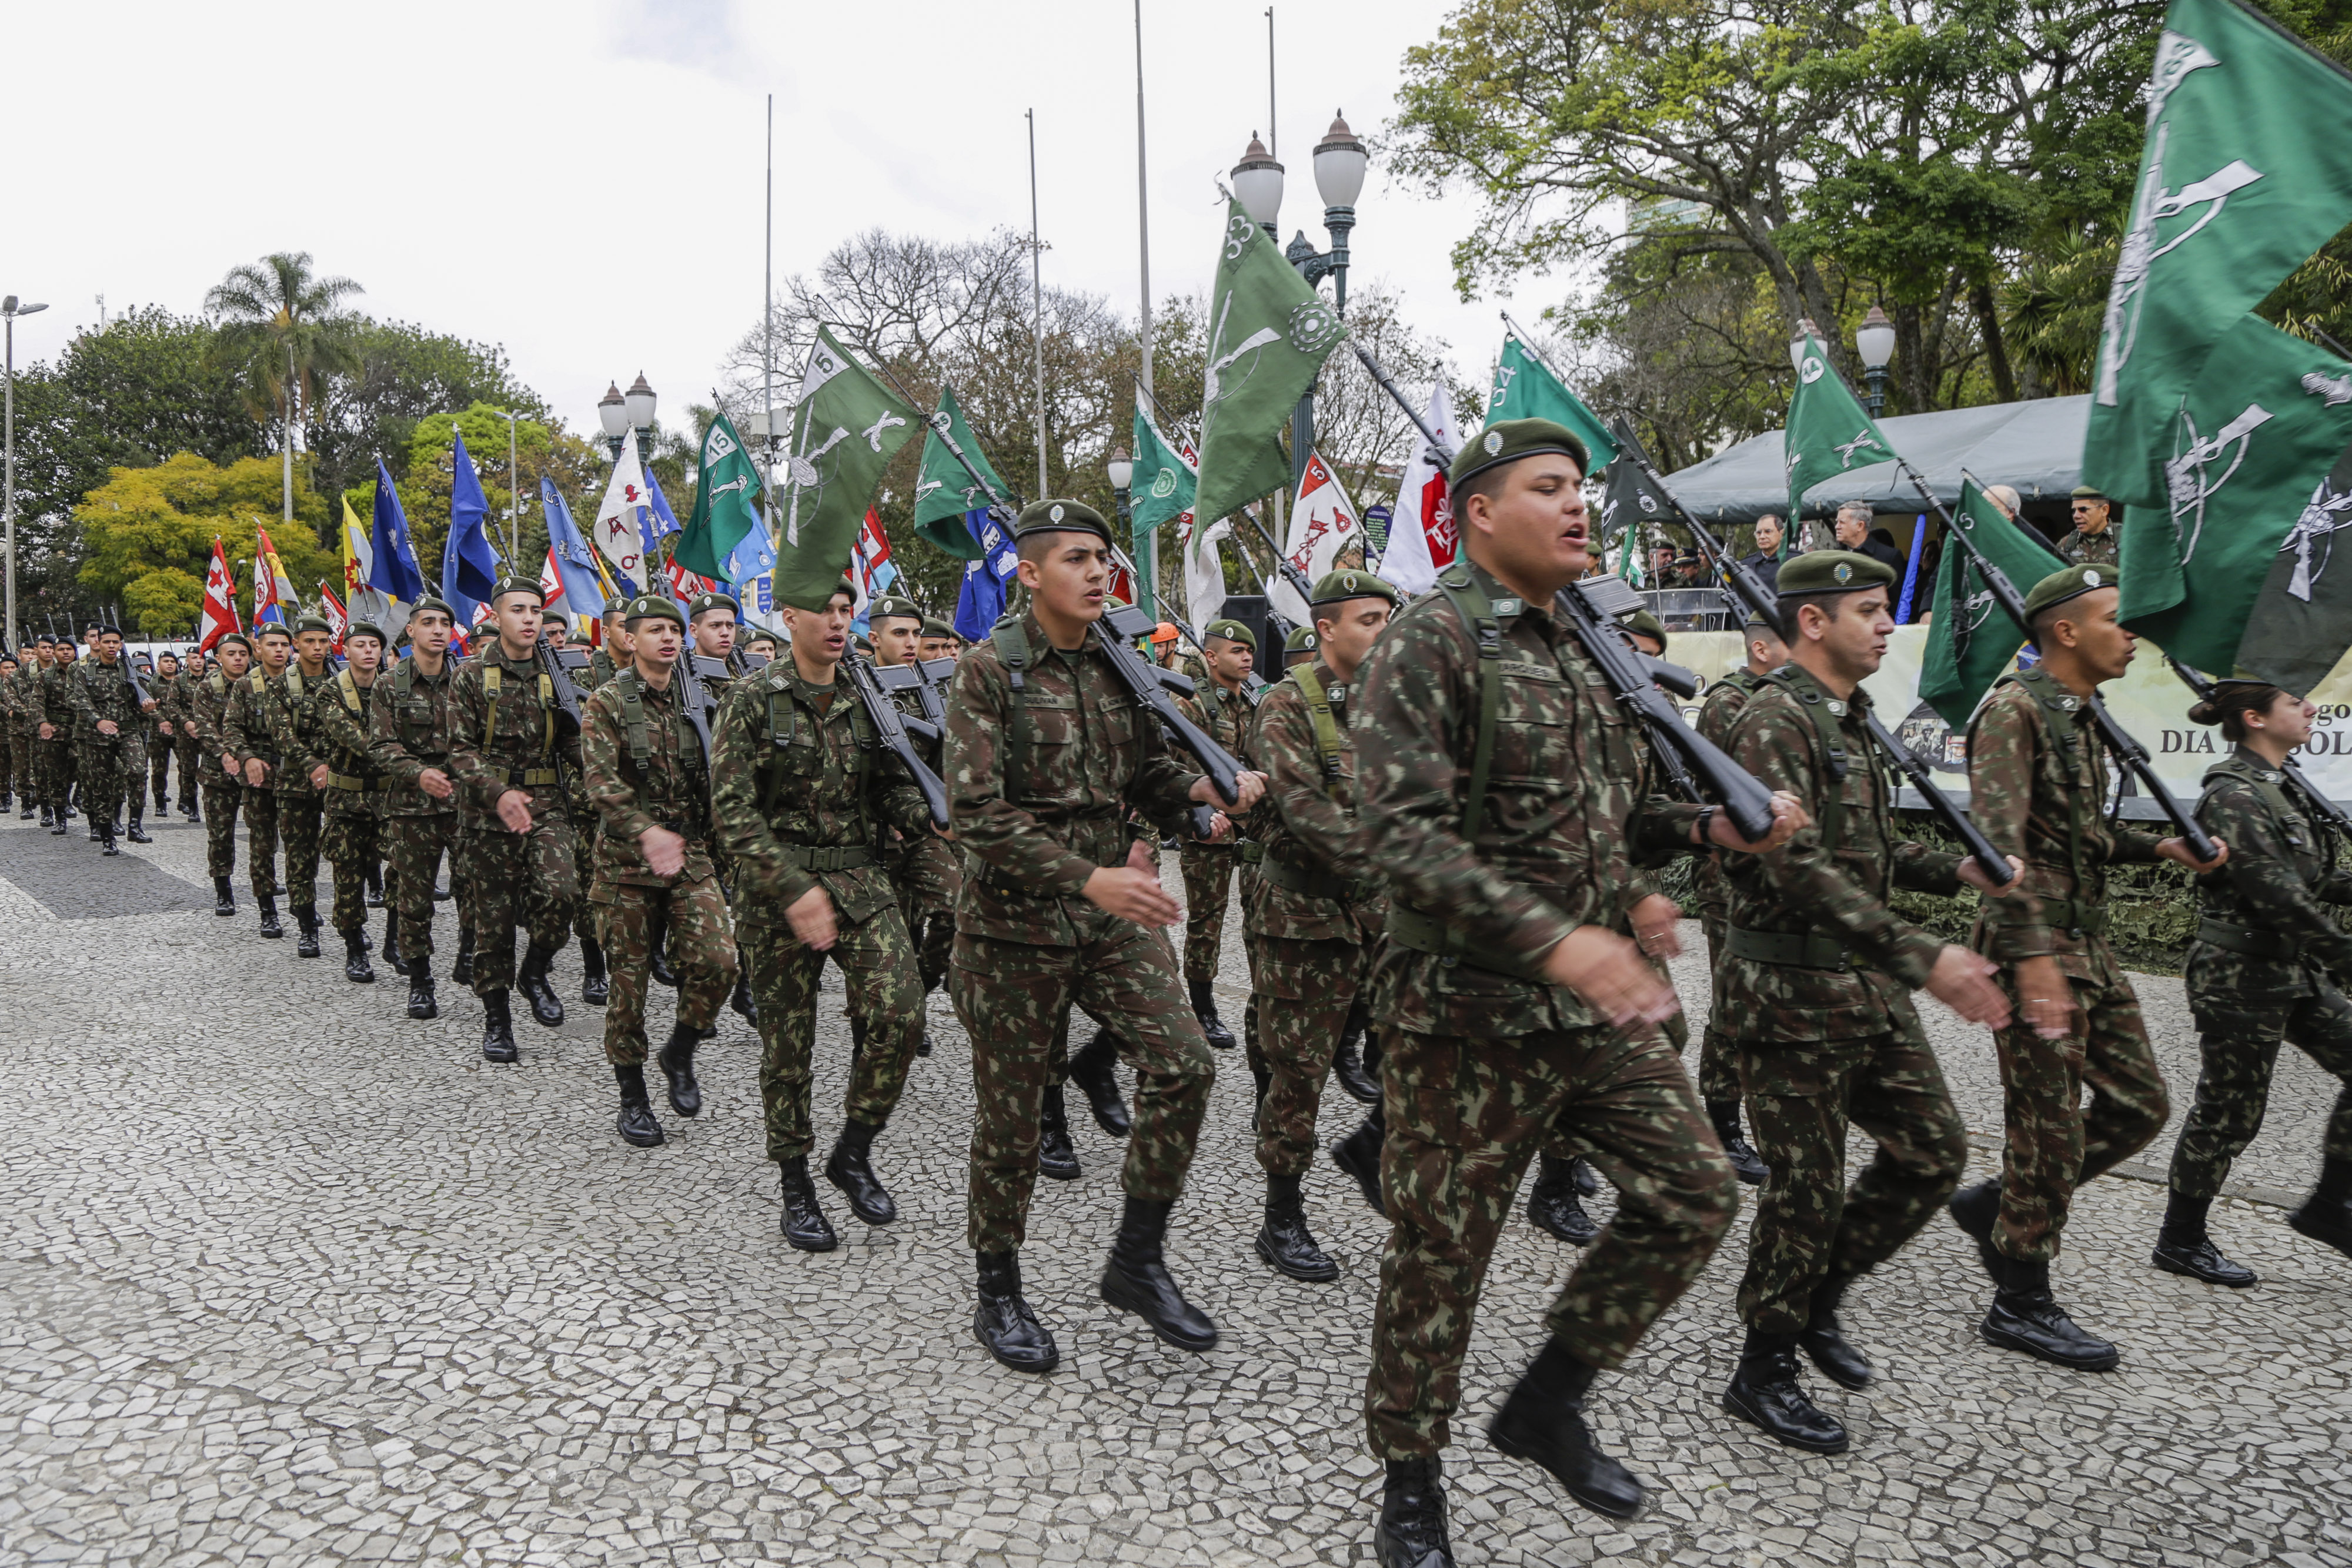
(877, 965)
(925, 873)
(1809, 1224)
(1560, 1143)
(158, 766)
(1302, 992)
(353, 843)
(20, 765)
(586, 917)
(56, 764)
(1013, 999)
(413, 848)
(1207, 885)
(513, 880)
(701, 951)
(222, 797)
(2052, 1143)
(1718, 1058)
(261, 809)
(301, 822)
(190, 767)
(2240, 1048)
(110, 766)
(1464, 1117)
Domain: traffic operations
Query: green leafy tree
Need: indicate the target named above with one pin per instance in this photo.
(148, 537)
(282, 326)
(399, 375)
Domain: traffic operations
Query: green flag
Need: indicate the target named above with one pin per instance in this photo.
(726, 504)
(1268, 335)
(1828, 433)
(2302, 622)
(1163, 481)
(1525, 388)
(2247, 171)
(947, 490)
(847, 427)
(2257, 430)
(1971, 641)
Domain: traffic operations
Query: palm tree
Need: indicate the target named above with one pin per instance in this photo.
(282, 327)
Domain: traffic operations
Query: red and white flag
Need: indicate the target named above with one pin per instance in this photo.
(550, 588)
(337, 616)
(871, 572)
(620, 532)
(1323, 523)
(1422, 536)
(687, 586)
(220, 601)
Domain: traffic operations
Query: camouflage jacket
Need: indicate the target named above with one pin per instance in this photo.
(289, 710)
(600, 670)
(1038, 791)
(1718, 713)
(1564, 816)
(24, 692)
(503, 736)
(2282, 870)
(208, 713)
(245, 727)
(2079, 549)
(339, 716)
(1230, 721)
(645, 775)
(1810, 887)
(2025, 777)
(410, 727)
(56, 699)
(799, 773)
(99, 691)
(1317, 880)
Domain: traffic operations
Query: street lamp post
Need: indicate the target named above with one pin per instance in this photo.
(514, 489)
(10, 308)
(1874, 341)
(612, 414)
(640, 400)
(1121, 470)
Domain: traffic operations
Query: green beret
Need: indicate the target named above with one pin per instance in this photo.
(429, 602)
(366, 629)
(934, 627)
(314, 624)
(1300, 640)
(51, 638)
(1507, 441)
(2089, 492)
(239, 638)
(1832, 572)
(273, 629)
(1232, 631)
(615, 607)
(1335, 586)
(891, 604)
(706, 602)
(653, 606)
(1060, 516)
(1642, 624)
(516, 584)
(1755, 622)
(2072, 583)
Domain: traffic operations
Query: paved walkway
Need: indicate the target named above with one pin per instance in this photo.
(288, 1279)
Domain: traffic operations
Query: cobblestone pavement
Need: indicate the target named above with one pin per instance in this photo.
(288, 1279)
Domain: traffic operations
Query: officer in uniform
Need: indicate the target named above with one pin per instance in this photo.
(252, 755)
(1814, 977)
(351, 837)
(300, 777)
(938, 639)
(216, 774)
(1221, 707)
(23, 685)
(509, 761)
(648, 781)
(713, 619)
(922, 866)
(106, 722)
(614, 656)
(410, 733)
(1501, 789)
(2261, 969)
(2038, 786)
(1061, 904)
(55, 733)
(803, 797)
(2092, 541)
(184, 739)
(166, 689)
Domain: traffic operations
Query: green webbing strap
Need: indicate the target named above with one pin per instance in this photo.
(1830, 756)
(349, 691)
(1328, 745)
(490, 708)
(1470, 602)
(634, 734)
(1012, 645)
(2043, 689)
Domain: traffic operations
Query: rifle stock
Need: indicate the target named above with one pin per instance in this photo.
(891, 728)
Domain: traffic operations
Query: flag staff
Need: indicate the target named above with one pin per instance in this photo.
(1143, 253)
(1037, 299)
(767, 315)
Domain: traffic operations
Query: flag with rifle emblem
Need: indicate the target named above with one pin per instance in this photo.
(847, 427)
(947, 493)
(1164, 479)
(1632, 511)
(1828, 433)
(726, 503)
(1971, 641)
(1525, 388)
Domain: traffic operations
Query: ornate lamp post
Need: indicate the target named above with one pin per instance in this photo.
(10, 308)
(1874, 341)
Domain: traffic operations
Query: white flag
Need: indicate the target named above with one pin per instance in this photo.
(620, 532)
(1422, 536)
(1322, 523)
(1204, 572)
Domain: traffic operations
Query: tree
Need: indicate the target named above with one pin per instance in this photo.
(281, 328)
(401, 374)
(149, 535)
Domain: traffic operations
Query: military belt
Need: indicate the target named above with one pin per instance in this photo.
(1316, 883)
(2237, 939)
(1250, 852)
(1410, 927)
(830, 857)
(346, 781)
(1789, 949)
(530, 778)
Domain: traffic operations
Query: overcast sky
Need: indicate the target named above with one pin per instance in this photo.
(582, 184)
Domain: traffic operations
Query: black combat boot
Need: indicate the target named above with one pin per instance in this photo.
(1412, 1531)
(421, 1004)
(658, 959)
(372, 885)
(269, 926)
(1136, 1278)
(742, 1003)
(392, 958)
(1825, 1341)
(1976, 1210)
(1204, 1008)
(1764, 1391)
(1543, 1421)
(1746, 1163)
(137, 834)
(45, 815)
(2182, 1247)
(190, 809)
(851, 1170)
(224, 896)
(58, 821)
(306, 922)
(1554, 1204)
(104, 834)
(595, 986)
(546, 1006)
(162, 795)
(805, 1224)
(636, 1123)
(1002, 1322)
(95, 828)
(2026, 1317)
(1056, 1158)
(676, 1063)
(1283, 1241)
(1348, 1070)
(462, 971)
(1358, 1155)
(1095, 1070)
(2326, 1214)
(498, 1030)
(356, 968)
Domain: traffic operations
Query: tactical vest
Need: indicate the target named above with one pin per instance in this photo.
(2265, 782)
(2059, 707)
(1010, 640)
(1810, 949)
(638, 750)
(779, 730)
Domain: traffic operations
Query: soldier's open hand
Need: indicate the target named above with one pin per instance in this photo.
(318, 776)
(108, 727)
(665, 851)
(436, 783)
(1962, 980)
(1657, 922)
(514, 810)
(1607, 971)
(256, 773)
(2045, 996)
(812, 917)
(1133, 891)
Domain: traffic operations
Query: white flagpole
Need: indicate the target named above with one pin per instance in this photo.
(1037, 291)
(767, 315)
(1143, 234)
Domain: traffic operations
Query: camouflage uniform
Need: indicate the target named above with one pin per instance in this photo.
(1818, 972)
(642, 771)
(411, 728)
(1039, 797)
(2037, 775)
(24, 715)
(1483, 1057)
(288, 710)
(223, 796)
(2079, 549)
(503, 737)
(244, 733)
(1209, 868)
(1314, 913)
(110, 763)
(352, 839)
(1718, 1066)
(922, 867)
(801, 801)
(2261, 969)
(160, 747)
(58, 753)
(184, 732)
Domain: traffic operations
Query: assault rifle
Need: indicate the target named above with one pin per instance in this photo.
(700, 707)
(2319, 805)
(130, 670)
(890, 729)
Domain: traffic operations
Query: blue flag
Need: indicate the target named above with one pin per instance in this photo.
(753, 557)
(981, 603)
(659, 520)
(394, 572)
(469, 562)
(581, 587)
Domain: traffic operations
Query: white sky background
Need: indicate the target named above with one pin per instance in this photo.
(582, 184)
